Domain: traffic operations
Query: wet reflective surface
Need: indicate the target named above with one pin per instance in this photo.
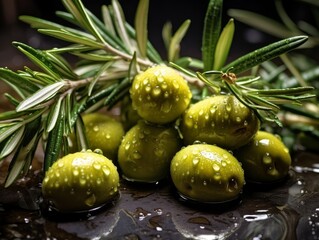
(287, 210)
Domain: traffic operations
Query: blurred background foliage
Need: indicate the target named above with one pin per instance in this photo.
(247, 38)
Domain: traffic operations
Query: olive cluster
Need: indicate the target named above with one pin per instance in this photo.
(215, 148)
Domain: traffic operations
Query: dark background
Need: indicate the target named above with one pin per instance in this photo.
(246, 39)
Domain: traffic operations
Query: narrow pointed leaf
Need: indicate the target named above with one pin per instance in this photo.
(12, 143)
(80, 134)
(40, 96)
(9, 131)
(141, 18)
(174, 47)
(261, 22)
(24, 152)
(54, 143)
(212, 27)
(223, 45)
(72, 37)
(21, 85)
(53, 115)
(120, 24)
(107, 19)
(97, 76)
(266, 53)
(39, 58)
(152, 53)
(167, 34)
(133, 68)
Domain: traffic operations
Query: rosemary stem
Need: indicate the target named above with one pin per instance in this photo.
(126, 56)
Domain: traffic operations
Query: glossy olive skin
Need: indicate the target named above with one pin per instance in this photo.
(160, 94)
(103, 132)
(265, 159)
(129, 116)
(207, 173)
(221, 120)
(146, 152)
(80, 181)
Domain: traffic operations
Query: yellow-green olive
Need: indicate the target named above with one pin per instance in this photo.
(265, 159)
(146, 152)
(221, 120)
(103, 132)
(160, 94)
(80, 181)
(207, 173)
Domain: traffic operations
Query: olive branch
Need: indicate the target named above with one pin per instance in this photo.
(49, 102)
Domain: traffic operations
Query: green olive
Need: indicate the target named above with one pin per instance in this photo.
(129, 115)
(160, 94)
(80, 181)
(207, 173)
(103, 132)
(146, 152)
(221, 120)
(265, 159)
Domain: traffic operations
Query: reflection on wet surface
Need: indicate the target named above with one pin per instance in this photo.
(289, 210)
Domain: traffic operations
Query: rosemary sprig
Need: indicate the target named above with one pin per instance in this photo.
(110, 52)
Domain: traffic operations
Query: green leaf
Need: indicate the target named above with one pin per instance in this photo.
(11, 115)
(73, 37)
(98, 75)
(53, 116)
(133, 68)
(174, 46)
(141, 18)
(152, 53)
(39, 58)
(12, 143)
(61, 66)
(5, 133)
(80, 134)
(287, 91)
(120, 25)
(167, 33)
(107, 19)
(223, 45)
(41, 96)
(54, 143)
(212, 28)
(266, 53)
(258, 21)
(20, 84)
(25, 152)
(37, 23)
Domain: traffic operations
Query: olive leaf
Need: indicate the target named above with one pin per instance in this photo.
(174, 46)
(21, 85)
(141, 17)
(40, 96)
(212, 28)
(263, 54)
(25, 151)
(152, 53)
(265, 24)
(54, 143)
(12, 142)
(223, 45)
(102, 70)
(120, 25)
(53, 115)
(107, 19)
(39, 58)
